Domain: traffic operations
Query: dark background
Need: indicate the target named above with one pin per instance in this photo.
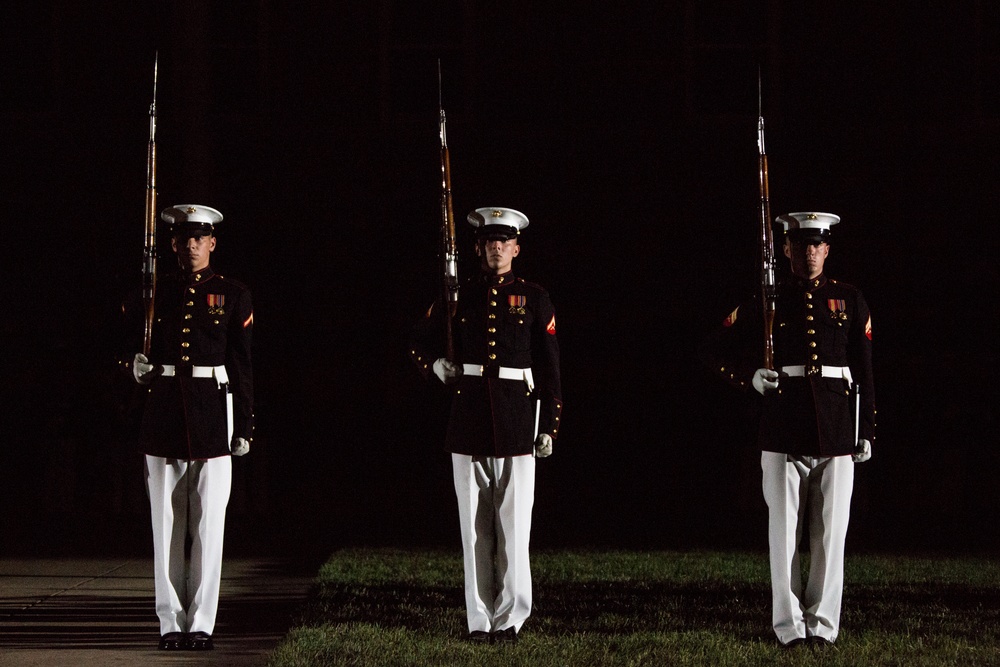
(626, 133)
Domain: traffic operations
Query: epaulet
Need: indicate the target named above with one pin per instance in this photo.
(528, 283)
(843, 285)
(231, 281)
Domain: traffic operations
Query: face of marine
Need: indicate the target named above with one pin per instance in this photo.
(807, 258)
(193, 252)
(497, 255)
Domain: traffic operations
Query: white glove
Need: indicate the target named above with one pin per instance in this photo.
(862, 451)
(240, 447)
(764, 380)
(447, 371)
(142, 370)
(543, 445)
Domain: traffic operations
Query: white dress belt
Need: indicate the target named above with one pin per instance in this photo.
(217, 372)
(503, 372)
(843, 372)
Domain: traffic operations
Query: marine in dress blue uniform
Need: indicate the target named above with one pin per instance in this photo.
(813, 426)
(197, 415)
(505, 411)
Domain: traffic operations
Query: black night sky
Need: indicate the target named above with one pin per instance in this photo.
(625, 132)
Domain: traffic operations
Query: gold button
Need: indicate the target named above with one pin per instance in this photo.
(812, 343)
(188, 316)
(816, 283)
(813, 357)
(185, 344)
(191, 289)
(811, 332)
(809, 295)
(197, 276)
(492, 330)
(216, 321)
(494, 290)
(185, 358)
(492, 343)
(809, 305)
(189, 303)
(493, 357)
(185, 330)
(493, 316)
(809, 318)
(493, 303)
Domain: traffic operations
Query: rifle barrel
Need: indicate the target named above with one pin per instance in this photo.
(449, 253)
(149, 246)
(767, 260)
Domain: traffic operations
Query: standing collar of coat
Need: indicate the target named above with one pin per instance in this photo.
(197, 277)
(808, 284)
(503, 279)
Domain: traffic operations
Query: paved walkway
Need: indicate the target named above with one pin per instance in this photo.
(93, 611)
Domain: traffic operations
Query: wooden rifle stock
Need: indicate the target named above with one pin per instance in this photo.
(149, 247)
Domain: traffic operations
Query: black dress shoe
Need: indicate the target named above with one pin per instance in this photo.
(172, 641)
(200, 641)
(479, 637)
(798, 641)
(508, 636)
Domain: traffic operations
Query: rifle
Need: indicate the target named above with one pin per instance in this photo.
(449, 256)
(149, 249)
(769, 292)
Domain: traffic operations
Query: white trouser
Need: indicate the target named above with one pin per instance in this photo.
(822, 487)
(495, 496)
(188, 497)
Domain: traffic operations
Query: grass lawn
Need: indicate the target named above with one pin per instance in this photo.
(383, 607)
